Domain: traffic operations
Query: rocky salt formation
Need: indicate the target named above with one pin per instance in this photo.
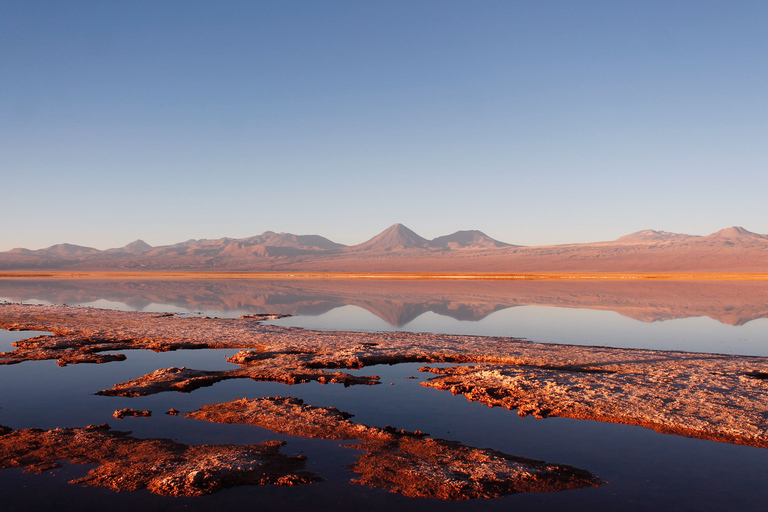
(266, 316)
(711, 396)
(131, 413)
(404, 462)
(185, 380)
(162, 466)
(718, 403)
(181, 379)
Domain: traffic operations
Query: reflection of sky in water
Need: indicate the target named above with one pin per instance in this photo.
(673, 472)
(547, 324)
(566, 325)
(8, 337)
(119, 306)
(153, 307)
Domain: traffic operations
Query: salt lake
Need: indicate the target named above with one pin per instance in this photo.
(644, 470)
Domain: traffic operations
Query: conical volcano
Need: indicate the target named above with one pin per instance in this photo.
(395, 238)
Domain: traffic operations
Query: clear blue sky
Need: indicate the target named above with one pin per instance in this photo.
(536, 122)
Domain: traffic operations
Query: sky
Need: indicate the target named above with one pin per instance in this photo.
(536, 122)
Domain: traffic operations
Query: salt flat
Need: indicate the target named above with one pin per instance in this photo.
(710, 396)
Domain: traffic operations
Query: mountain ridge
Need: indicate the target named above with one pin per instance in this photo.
(400, 249)
(467, 239)
(652, 236)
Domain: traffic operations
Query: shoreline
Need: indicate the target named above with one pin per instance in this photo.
(413, 276)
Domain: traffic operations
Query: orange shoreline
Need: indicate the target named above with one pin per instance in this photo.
(480, 276)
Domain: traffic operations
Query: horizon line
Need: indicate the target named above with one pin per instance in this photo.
(415, 276)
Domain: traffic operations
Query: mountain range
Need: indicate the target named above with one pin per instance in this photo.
(399, 249)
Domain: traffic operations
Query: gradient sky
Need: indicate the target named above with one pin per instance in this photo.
(535, 122)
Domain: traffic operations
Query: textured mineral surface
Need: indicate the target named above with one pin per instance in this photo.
(404, 462)
(710, 396)
(131, 413)
(160, 465)
(715, 402)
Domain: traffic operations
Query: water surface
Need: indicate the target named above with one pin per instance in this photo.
(719, 317)
(645, 470)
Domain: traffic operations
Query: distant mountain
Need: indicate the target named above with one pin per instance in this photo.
(399, 249)
(650, 236)
(472, 239)
(19, 250)
(51, 257)
(137, 246)
(308, 242)
(68, 250)
(395, 238)
(736, 234)
(267, 245)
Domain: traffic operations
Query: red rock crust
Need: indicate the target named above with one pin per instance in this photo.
(404, 462)
(666, 397)
(710, 396)
(122, 413)
(162, 466)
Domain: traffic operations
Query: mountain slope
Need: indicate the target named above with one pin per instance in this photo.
(471, 239)
(399, 249)
(68, 250)
(395, 238)
(652, 236)
(307, 242)
(735, 235)
(137, 246)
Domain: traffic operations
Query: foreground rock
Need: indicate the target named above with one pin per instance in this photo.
(185, 380)
(162, 466)
(131, 413)
(710, 396)
(668, 396)
(405, 462)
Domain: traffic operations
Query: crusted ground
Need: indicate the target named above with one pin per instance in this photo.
(710, 402)
(162, 466)
(709, 396)
(405, 462)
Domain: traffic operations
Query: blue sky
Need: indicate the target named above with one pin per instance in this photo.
(536, 122)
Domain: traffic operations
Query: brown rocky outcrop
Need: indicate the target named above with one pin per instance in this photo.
(160, 465)
(712, 396)
(404, 462)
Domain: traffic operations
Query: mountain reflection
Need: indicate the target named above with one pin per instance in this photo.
(400, 302)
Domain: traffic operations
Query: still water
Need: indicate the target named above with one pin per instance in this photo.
(644, 470)
(716, 317)
(565, 325)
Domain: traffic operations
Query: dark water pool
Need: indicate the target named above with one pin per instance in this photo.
(644, 470)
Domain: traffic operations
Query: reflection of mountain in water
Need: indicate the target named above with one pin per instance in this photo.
(400, 302)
